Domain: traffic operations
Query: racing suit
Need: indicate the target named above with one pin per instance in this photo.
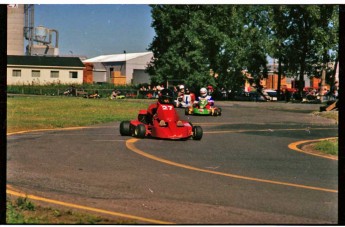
(208, 98)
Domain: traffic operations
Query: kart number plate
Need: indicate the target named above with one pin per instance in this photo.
(167, 107)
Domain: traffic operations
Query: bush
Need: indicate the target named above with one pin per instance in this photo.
(25, 204)
(56, 89)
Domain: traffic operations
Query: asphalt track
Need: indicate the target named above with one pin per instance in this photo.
(247, 169)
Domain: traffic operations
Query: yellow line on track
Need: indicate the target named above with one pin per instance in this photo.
(55, 129)
(130, 145)
(264, 130)
(294, 146)
(33, 197)
(44, 130)
(10, 190)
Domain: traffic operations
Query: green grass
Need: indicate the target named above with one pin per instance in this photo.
(23, 211)
(327, 146)
(334, 115)
(27, 112)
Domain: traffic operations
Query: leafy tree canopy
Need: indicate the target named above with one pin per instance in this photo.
(215, 44)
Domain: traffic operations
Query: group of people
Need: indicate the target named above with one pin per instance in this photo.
(166, 97)
(151, 88)
(310, 93)
(186, 98)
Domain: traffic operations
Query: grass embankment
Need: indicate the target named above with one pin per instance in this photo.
(28, 113)
(23, 211)
(334, 115)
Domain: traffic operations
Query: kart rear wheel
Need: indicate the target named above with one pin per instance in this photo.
(197, 133)
(124, 128)
(140, 131)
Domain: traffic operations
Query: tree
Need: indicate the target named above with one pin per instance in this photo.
(277, 38)
(208, 44)
(215, 44)
(256, 37)
(177, 47)
(308, 38)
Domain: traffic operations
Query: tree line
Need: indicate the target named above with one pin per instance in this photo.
(193, 42)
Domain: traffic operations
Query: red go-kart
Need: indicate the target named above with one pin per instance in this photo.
(165, 124)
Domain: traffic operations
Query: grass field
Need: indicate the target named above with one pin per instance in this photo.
(40, 112)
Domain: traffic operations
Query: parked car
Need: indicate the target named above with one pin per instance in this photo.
(242, 96)
(249, 96)
(271, 95)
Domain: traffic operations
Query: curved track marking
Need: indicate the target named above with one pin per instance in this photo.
(294, 146)
(33, 197)
(130, 145)
(10, 190)
(55, 129)
(265, 130)
(44, 130)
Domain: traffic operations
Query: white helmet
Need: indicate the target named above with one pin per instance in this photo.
(203, 92)
(181, 87)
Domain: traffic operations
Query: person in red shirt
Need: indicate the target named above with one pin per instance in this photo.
(165, 97)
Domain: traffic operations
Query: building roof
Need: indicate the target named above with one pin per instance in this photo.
(116, 57)
(97, 66)
(44, 61)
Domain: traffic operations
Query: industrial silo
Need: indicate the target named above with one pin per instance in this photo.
(15, 29)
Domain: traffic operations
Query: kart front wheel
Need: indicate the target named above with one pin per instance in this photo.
(217, 112)
(197, 133)
(125, 128)
(186, 111)
(140, 131)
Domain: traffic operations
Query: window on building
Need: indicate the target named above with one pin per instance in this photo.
(35, 73)
(73, 75)
(54, 74)
(16, 73)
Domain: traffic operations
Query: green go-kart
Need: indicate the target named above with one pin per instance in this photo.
(203, 108)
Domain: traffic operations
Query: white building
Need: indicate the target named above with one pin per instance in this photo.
(44, 70)
(121, 69)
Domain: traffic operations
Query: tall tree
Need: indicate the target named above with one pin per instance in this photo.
(305, 45)
(207, 44)
(277, 37)
(177, 46)
(214, 44)
(256, 36)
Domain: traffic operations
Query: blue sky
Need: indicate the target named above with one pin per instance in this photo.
(93, 30)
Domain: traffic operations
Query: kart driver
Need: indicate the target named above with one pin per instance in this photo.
(165, 98)
(203, 96)
(188, 98)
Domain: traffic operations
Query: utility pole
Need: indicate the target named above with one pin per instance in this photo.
(279, 76)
